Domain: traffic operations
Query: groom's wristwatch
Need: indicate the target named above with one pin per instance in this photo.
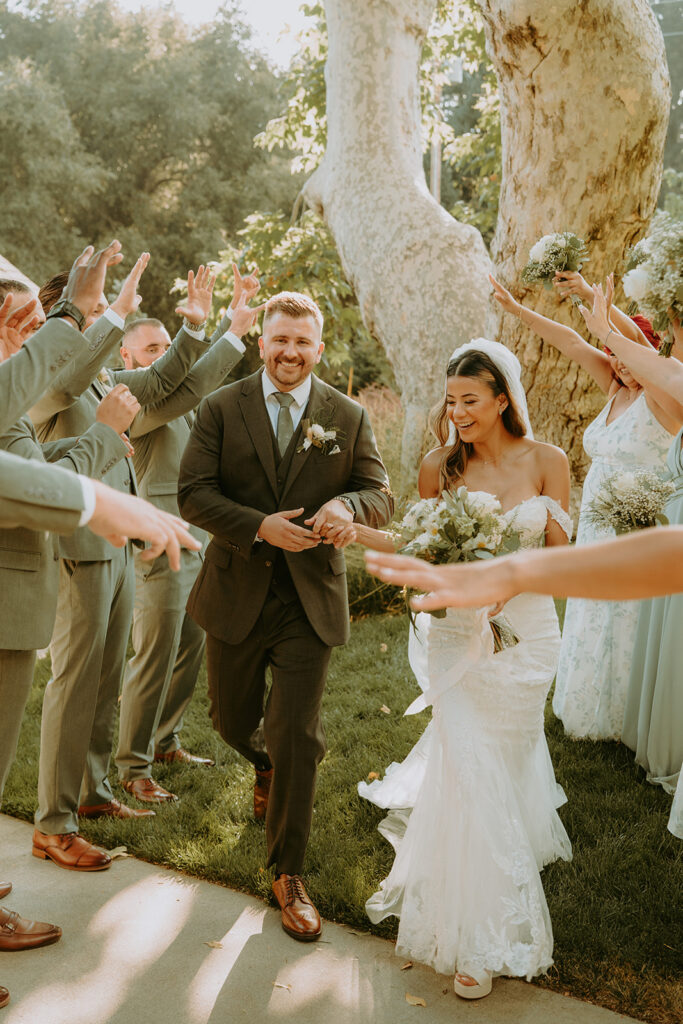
(347, 502)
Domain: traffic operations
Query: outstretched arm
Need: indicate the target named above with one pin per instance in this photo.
(648, 563)
(566, 340)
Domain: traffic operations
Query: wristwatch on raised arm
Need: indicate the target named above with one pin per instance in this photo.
(347, 502)
(63, 307)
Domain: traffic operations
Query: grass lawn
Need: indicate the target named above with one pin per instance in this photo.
(616, 908)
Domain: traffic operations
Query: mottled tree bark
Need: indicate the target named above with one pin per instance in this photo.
(585, 100)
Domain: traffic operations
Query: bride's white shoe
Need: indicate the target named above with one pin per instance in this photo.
(468, 987)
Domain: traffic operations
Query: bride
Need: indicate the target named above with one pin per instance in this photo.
(472, 809)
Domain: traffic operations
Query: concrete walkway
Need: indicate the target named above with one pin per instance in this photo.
(145, 945)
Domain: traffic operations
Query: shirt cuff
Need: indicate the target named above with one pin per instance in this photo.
(88, 497)
(114, 318)
(199, 335)
(229, 312)
(234, 340)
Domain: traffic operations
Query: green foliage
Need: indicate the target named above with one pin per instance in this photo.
(671, 193)
(167, 116)
(302, 257)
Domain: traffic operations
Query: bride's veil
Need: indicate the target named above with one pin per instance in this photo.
(508, 364)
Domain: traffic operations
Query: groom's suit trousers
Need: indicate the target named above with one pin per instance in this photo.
(289, 734)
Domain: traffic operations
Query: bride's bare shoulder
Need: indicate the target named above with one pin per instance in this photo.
(429, 477)
(547, 455)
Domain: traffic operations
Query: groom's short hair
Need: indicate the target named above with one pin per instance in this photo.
(294, 304)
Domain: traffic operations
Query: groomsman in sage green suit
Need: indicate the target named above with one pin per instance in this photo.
(168, 645)
(39, 497)
(95, 602)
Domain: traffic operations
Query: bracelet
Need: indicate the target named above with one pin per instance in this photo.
(611, 331)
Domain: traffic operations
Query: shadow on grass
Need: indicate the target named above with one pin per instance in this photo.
(616, 908)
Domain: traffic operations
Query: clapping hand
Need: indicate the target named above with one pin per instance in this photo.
(199, 296)
(17, 326)
(128, 300)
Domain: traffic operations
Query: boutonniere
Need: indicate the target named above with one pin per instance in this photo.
(326, 439)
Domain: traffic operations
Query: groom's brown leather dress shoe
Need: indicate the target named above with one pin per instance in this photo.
(19, 933)
(148, 791)
(70, 851)
(300, 919)
(184, 756)
(4, 996)
(115, 809)
(5, 889)
(264, 777)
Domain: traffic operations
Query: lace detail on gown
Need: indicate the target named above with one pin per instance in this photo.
(473, 808)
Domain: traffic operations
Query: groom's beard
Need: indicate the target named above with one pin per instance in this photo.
(287, 373)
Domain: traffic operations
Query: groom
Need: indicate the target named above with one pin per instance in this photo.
(258, 475)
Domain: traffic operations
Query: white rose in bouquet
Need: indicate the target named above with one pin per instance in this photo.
(483, 503)
(538, 251)
(636, 284)
(623, 483)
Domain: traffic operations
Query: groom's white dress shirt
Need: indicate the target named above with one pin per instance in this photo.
(300, 394)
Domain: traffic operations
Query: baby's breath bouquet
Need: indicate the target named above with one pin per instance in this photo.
(459, 527)
(654, 278)
(631, 501)
(562, 250)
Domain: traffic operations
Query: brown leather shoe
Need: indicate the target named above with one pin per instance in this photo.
(70, 851)
(5, 889)
(114, 809)
(19, 933)
(184, 756)
(264, 777)
(300, 919)
(4, 997)
(148, 791)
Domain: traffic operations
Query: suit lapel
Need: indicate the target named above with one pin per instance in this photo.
(320, 409)
(253, 408)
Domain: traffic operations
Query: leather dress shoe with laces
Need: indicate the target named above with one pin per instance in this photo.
(114, 809)
(70, 851)
(264, 777)
(5, 889)
(148, 791)
(19, 933)
(184, 756)
(300, 919)
(4, 996)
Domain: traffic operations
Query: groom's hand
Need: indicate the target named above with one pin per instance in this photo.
(278, 531)
(330, 521)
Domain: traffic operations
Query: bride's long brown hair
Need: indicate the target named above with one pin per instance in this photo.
(481, 367)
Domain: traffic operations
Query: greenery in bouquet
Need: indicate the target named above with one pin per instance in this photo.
(631, 501)
(654, 277)
(562, 250)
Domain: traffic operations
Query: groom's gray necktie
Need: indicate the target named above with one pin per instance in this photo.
(285, 426)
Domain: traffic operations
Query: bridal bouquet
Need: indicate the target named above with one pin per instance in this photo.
(562, 250)
(631, 501)
(654, 278)
(459, 527)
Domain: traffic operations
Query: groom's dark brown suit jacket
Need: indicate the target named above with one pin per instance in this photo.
(231, 478)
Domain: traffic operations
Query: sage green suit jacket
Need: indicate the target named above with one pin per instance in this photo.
(29, 568)
(68, 409)
(38, 496)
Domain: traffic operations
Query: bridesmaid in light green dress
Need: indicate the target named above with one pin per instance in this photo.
(653, 719)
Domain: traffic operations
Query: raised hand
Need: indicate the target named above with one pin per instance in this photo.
(597, 319)
(244, 318)
(277, 530)
(245, 287)
(118, 409)
(87, 276)
(570, 282)
(17, 326)
(128, 300)
(199, 296)
(475, 585)
(504, 298)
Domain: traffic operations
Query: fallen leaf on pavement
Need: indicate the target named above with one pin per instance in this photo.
(407, 965)
(385, 709)
(119, 851)
(278, 984)
(415, 1000)
(214, 945)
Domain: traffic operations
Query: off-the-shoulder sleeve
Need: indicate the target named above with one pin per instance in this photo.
(556, 512)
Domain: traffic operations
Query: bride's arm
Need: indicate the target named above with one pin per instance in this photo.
(566, 340)
(646, 563)
(554, 468)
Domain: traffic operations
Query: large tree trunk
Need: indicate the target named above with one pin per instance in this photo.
(585, 99)
(585, 96)
(420, 276)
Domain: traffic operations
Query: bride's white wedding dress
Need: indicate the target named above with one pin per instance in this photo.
(473, 808)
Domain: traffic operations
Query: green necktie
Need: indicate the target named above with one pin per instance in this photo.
(285, 427)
